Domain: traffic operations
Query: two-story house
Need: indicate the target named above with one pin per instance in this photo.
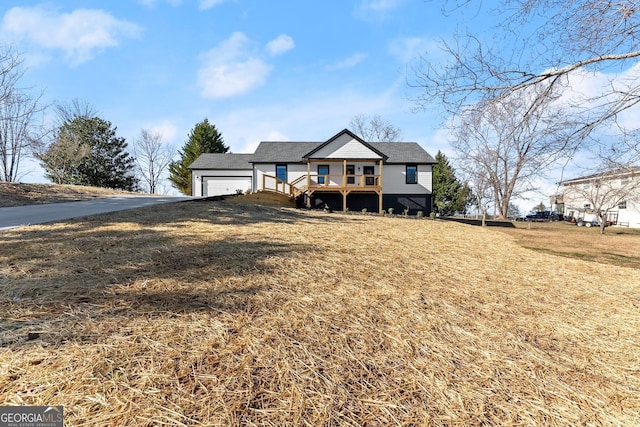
(612, 195)
(342, 173)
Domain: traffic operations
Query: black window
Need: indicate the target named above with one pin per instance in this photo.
(281, 172)
(351, 170)
(412, 174)
(368, 170)
(322, 171)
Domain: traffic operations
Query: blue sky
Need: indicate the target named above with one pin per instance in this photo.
(257, 69)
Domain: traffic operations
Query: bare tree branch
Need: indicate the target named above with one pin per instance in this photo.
(19, 131)
(375, 129)
(511, 142)
(540, 42)
(152, 158)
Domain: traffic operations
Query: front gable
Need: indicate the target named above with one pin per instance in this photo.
(345, 145)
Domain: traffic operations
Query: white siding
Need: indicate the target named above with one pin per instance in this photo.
(345, 147)
(394, 178)
(630, 215)
(574, 200)
(294, 171)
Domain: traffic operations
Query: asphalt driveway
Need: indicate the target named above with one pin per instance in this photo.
(39, 214)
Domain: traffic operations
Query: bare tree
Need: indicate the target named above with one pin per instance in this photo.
(67, 112)
(375, 129)
(19, 130)
(481, 190)
(20, 133)
(10, 71)
(603, 192)
(152, 158)
(541, 42)
(511, 143)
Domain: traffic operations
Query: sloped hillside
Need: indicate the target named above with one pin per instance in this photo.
(21, 194)
(227, 314)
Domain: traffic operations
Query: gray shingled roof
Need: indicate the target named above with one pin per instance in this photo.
(293, 152)
(403, 152)
(223, 161)
(282, 152)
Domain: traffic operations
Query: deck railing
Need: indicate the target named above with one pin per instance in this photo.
(273, 183)
(344, 181)
(319, 182)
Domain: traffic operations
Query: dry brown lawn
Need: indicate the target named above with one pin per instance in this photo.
(618, 246)
(21, 194)
(203, 313)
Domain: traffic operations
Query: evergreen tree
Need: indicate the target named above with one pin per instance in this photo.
(449, 195)
(203, 138)
(514, 211)
(107, 163)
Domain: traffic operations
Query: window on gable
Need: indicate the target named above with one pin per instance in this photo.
(622, 205)
(586, 186)
(412, 174)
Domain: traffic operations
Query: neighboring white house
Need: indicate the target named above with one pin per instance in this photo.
(615, 194)
(341, 173)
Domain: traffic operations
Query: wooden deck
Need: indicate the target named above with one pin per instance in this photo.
(312, 183)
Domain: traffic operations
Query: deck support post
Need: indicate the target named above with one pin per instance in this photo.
(308, 184)
(380, 208)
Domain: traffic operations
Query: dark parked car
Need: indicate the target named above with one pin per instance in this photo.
(543, 216)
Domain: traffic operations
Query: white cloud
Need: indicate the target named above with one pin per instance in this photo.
(408, 49)
(167, 129)
(224, 81)
(81, 33)
(208, 4)
(202, 4)
(235, 67)
(152, 3)
(379, 5)
(312, 116)
(349, 62)
(283, 43)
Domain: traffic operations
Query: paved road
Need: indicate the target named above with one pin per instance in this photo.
(39, 214)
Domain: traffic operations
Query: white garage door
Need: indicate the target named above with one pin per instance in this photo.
(222, 186)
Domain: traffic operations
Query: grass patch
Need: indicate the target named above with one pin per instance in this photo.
(230, 314)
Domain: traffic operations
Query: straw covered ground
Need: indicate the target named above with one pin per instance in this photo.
(213, 313)
(21, 194)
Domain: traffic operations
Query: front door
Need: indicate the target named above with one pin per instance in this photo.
(368, 170)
